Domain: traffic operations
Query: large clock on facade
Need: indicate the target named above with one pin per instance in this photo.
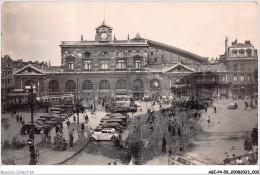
(103, 35)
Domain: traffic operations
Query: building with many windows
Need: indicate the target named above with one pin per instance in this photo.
(136, 67)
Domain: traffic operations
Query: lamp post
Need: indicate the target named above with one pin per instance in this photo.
(31, 136)
(77, 109)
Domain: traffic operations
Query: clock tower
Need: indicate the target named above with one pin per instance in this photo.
(103, 33)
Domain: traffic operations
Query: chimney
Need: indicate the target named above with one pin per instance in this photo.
(247, 42)
(81, 37)
(128, 37)
(226, 47)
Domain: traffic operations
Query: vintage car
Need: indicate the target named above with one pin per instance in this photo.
(116, 126)
(232, 106)
(26, 129)
(105, 134)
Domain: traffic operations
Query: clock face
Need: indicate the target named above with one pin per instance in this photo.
(103, 35)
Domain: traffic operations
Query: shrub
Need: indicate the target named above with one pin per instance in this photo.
(17, 144)
(6, 145)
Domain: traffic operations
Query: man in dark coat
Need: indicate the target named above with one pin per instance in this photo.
(169, 127)
(57, 129)
(164, 145)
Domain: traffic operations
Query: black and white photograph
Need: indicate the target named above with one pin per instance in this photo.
(130, 83)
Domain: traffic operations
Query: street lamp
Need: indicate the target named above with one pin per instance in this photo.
(33, 160)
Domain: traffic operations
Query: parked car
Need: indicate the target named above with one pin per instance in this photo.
(232, 106)
(107, 117)
(104, 134)
(116, 126)
(38, 122)
(26, 129)
(137, 103)
(117, 120)
(124, 118)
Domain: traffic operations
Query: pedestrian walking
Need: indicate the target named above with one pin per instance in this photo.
(246, 105)
(23, 122)
(226, 160)
(82, 126)
(208, 120)
(57, 129)
(20, 119)
(239, 161)
(74, 118)
(71, 136)
(164, 145)
(17, 118)
(86, 118)
(215, 109)
(46, 132)
(173, 131)
(169, 127)
(68, 124)
(179, 132)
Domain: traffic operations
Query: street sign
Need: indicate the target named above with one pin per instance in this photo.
(29, 142)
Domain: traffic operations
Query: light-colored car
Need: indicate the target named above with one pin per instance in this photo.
(137, 103)
(104, 134)
(232, 106)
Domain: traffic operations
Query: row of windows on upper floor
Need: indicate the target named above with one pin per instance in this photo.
(121, 64)
(241, 53)
(242, 67)
(243, 78)
(106, 54)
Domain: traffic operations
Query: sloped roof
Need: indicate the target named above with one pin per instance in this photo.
(176, 50)
(29, 65)
(104, 24)
(179, 64)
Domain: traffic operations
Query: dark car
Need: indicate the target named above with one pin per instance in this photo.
(26, 129)
(114, 125)
(119, 121)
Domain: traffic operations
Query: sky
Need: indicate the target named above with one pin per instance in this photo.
(34, 30)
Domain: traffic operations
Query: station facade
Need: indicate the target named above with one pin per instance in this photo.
(136, 67)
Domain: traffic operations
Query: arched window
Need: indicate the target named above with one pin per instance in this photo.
(241, 52)
(138, 85)
(70, 86)
(155, 85)
(104, 84)
(120, 54)
(87, 85)
(86, 55)
(121, 84)
(235, 67)
(54, 86)
(249, 52)
(137, 55)
(104, 55)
